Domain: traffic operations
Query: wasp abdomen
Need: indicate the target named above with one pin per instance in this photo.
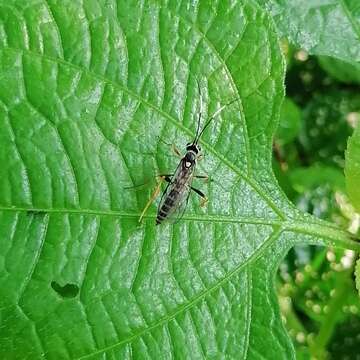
(168, 206)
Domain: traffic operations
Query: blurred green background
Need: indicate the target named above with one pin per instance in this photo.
(318, 299)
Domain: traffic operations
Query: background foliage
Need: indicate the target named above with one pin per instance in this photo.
(319, 300)
(89, 92)
(316, 285)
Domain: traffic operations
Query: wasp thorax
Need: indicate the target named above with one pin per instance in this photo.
(190, 159)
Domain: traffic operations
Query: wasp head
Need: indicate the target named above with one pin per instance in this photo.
(193, 152)
(195, 148)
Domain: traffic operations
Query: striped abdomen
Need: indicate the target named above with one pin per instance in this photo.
(177, 191)
(169, 205)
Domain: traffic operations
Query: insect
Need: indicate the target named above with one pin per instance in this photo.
(179, 184)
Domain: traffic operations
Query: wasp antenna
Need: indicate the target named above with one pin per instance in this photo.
(200, 112)
(216, 113)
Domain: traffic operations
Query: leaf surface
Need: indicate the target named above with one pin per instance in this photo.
(357, 275)
(352, 168)
(289, 124)
(343, 71)
(88, 91)
(322, 27)
(352, 178)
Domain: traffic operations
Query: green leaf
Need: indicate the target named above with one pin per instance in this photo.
(347, 72)
(346, 339)
(89, 89)
(323, 296)
(289, 124)
(352, 178)
(316, 186)
(352, 168)
(327, 126)
(308, 178)
(321, 27)
(357, 275)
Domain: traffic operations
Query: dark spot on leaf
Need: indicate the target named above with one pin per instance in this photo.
(66, 291)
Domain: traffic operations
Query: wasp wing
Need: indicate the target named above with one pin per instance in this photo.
(180, 210)
(180, 185)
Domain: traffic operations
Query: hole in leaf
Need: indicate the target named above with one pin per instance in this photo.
(66, 291)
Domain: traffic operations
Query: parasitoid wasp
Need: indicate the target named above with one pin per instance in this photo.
(179, 184)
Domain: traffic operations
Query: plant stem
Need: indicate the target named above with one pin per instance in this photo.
(330, 235)
(318, 348)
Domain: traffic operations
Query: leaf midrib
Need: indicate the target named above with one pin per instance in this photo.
(329, 232)
(278, 229)
(125, 214)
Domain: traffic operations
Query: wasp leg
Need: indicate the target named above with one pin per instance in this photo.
(153, 196)
(205, 177)
(167, 177)
(135, 186)
(204, 199)
(175, 150)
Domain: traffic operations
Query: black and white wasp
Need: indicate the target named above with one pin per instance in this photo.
(179, 184)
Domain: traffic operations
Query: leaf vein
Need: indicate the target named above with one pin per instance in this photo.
(248, 314)
(35, 262)
(353, 23)
(232, 82)
(51, 14)
(252, 182)
(257, 253)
